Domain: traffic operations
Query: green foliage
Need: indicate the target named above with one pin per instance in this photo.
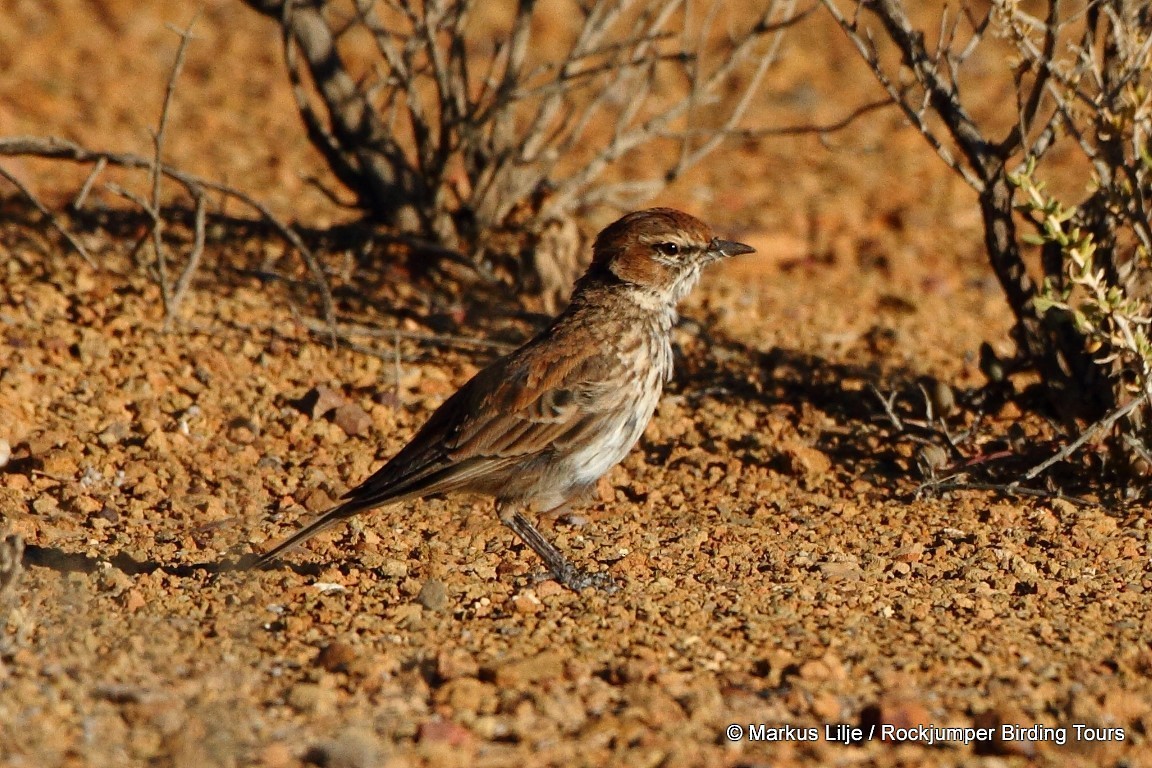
(1113, 322)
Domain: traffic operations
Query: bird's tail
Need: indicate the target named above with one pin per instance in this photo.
(325, 521)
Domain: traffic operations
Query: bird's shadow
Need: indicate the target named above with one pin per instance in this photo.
(61, 561)
(732, 371)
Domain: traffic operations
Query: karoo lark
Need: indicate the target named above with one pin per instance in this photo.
(541, 425)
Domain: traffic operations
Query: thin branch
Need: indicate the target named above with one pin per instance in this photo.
(931, 433)
(567, 82)
(766, 59)
(596, 24)
(867, 49)
(1010, 489)
(376, 163)
(318, 133)
(347, 331)
(978, 30)
(157, 154)
(1103, 424)
(1028, 112)
(796, 130)
(889, 406)
(55, 222)
(462, 153)
(1045, 140)
(138, 200)
(198, 230)
(626, 139)
(82, 195)
(945, 101)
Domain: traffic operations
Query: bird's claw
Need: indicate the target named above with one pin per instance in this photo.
(577, 580)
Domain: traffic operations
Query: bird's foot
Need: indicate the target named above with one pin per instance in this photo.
(577, 580)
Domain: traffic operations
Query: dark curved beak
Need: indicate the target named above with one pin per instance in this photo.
(724, 248)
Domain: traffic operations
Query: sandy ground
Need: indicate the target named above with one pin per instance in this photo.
(778, 572)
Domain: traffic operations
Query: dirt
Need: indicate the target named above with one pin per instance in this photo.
(779, 572)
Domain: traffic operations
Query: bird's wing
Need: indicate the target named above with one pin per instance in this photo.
(522, 405)
(541, 403)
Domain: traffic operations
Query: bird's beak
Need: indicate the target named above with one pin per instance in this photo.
(724, 248)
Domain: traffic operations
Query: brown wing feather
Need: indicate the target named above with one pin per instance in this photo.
(532, 406)
(516, 407)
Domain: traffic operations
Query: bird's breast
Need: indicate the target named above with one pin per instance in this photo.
(644, 367)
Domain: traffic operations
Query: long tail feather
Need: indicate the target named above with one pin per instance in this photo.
(324, 522)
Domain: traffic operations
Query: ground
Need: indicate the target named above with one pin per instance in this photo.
(777, 567)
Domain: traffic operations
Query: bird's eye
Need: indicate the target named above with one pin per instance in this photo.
(668, 249)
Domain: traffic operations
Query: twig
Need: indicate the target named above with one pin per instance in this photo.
(155, 173)
(72, 241)
(82, 195)
(736, 114)
(1011, 489)
(1085, 436)
(916, 58)
(807, 128)
(396, 361)
(373, 170)
(348, 331)
(628, 136)
(442, 127)
(1138, 447)
(185, 280)
(932, 435)
(888, 403)
(133, 198)
(143, 205)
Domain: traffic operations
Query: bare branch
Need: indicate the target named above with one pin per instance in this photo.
(867, 49)
(1102, 425)
(198, 230)
(1083, 76)
(82, 195)
(459, 157)
(626, 138)
(1008, 489)
(348, 331)
(138, 200)
(1032, 103)
(801, 129)
(55, 222)
(353, 119)
(154, 171)
(736, 115)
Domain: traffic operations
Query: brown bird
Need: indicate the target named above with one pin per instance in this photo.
(541, 425)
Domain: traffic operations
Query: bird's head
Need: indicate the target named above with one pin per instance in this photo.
(659, 251)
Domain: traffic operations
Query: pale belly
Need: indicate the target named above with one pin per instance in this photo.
(587, 465)
(637, 402)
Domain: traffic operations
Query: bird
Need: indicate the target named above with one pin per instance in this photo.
(540, 426)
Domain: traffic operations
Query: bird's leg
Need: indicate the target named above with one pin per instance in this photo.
(563, 571)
